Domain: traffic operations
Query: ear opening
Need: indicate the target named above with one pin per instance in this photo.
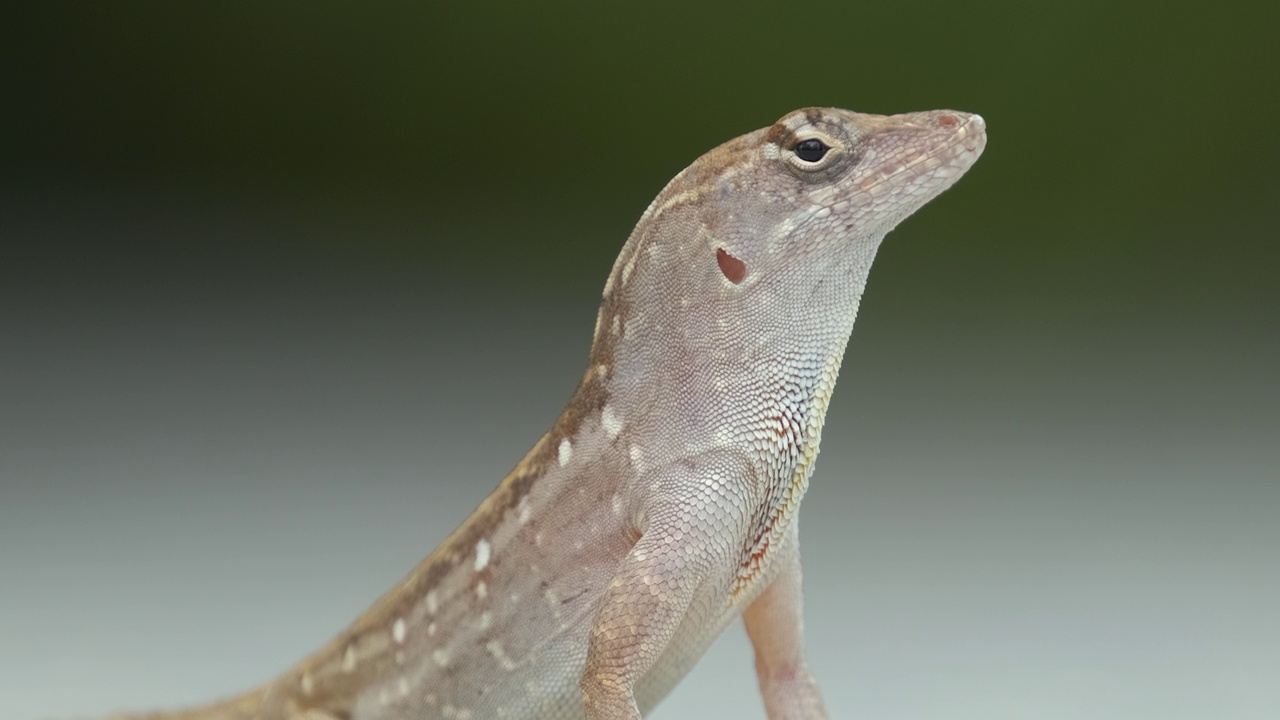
(734, 269)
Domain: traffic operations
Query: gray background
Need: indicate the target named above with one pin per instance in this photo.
(285, 293)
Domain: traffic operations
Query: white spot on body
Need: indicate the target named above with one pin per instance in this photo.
(637, 457)
(523, 510)
(307, 684)
(431, 630)
(482, 554)
(440, 656)
(398, 631)
(486, 619)
(610, 422)
(349, 659)
(482, 591)
(550, 597)
(403, 686)
(433, 602)
(616, 327)
(499, 653)
(566, 452)
(616, 502)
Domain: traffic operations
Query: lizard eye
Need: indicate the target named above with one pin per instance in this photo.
(810, 150)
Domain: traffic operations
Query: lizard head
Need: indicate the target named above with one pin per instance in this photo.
(787, 208)
(857, 176)
(822, 184)
(760, 249)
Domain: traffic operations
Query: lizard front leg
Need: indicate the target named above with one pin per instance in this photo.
(775, 623)
(694, 517)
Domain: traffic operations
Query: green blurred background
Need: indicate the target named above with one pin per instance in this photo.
(286, 288)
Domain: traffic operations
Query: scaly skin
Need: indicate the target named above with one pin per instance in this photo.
(662, 503)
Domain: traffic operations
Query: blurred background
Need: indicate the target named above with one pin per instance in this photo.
(286, 289)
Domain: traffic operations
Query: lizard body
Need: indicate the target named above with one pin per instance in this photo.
(662, 504)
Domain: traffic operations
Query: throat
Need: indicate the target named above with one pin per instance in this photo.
(789, 457)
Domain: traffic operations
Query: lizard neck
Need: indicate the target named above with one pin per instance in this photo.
(690, 366)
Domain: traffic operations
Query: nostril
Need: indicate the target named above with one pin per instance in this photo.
(947, 120)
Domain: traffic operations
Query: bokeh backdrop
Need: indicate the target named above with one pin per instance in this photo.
(286, 288)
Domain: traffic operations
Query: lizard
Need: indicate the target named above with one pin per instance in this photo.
(662, 504)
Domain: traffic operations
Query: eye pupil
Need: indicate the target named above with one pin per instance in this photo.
(810, 150)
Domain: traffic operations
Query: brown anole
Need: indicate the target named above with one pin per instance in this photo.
(662, 503)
